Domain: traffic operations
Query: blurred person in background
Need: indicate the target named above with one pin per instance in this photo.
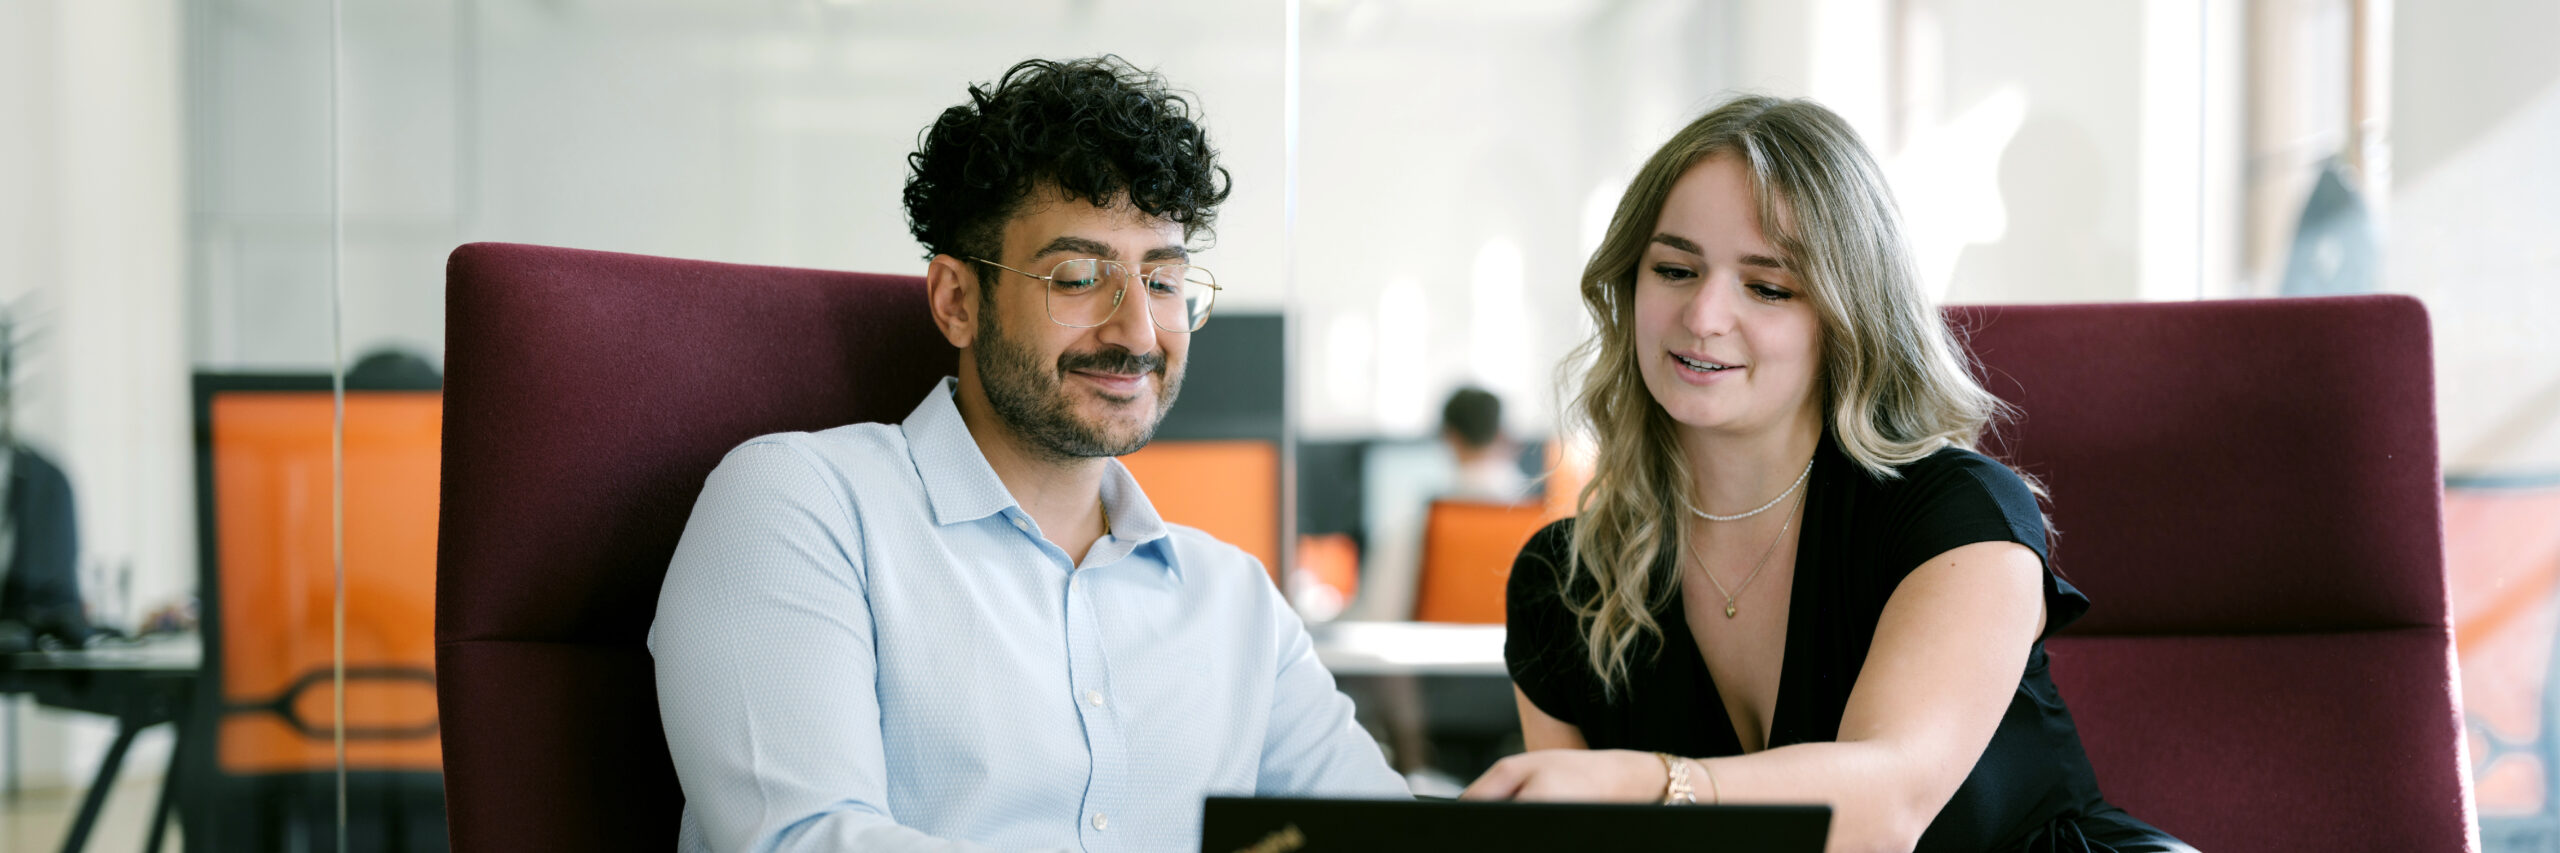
(1488, 461)
(1793, 579)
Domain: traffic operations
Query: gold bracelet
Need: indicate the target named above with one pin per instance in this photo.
(1714, 796)
(1675, 787)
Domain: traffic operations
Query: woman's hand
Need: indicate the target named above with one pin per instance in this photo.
(1573, 775)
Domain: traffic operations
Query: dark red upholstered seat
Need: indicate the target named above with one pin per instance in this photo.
(587, 395)
(2247, 489)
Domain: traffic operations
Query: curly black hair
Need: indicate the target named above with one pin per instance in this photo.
(1093, 128)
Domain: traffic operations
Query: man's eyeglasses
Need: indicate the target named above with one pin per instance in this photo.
(1086, 292)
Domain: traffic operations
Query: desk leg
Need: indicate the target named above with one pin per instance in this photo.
(160, 814)
(96, 801)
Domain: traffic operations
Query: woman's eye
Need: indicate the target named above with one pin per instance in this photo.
(1671, 272)
(1769, 292)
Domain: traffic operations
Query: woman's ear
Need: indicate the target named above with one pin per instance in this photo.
(951, 292)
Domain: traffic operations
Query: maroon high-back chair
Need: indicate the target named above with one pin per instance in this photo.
(2248, 491)
(587, 396)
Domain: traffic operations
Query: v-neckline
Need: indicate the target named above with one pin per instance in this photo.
(1705, 677)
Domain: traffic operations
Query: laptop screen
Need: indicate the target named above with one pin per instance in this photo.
(1268, 825)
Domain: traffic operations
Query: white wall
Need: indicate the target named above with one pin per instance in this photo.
(91, 212)
(2475, 205)
(1450, 157)
(771, 133)
(2067, 178)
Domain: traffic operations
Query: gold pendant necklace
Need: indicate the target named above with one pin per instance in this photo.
(1730, 608)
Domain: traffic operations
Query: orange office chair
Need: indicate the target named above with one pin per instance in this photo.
(1467, 549)
(1229, 489)
(266, 772)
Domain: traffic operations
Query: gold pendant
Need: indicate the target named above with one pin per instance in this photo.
(1728, 610)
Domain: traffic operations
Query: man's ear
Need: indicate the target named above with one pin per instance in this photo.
(951, 292)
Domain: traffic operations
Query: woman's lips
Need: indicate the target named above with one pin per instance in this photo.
(1694, 376)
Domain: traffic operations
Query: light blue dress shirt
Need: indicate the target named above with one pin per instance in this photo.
(865, 644)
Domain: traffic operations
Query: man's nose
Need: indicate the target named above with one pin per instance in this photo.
(1130, 326)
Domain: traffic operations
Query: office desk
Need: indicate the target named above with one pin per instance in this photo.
(1439, 688)
(1409, 648)
(140, 685)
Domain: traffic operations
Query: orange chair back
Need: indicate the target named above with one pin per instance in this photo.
(271, 490)
(1228, 489)
(2502, 561)
(1467, 550)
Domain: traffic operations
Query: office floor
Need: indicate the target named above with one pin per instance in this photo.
(38, 819)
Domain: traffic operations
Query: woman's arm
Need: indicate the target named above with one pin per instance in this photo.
(1948, 652)
(1539, 731)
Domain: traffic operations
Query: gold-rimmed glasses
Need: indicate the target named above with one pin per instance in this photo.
(1086, 292)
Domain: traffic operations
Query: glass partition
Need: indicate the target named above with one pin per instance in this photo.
(166, 639)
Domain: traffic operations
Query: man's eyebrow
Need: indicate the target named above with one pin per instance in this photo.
(1167, 253)
(1079, 245)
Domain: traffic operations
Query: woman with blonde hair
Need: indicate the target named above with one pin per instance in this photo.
(1792, 578)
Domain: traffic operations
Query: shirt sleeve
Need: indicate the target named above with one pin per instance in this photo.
(1313, 747)
(1542, 644)
(1958, 498)
(765, 665)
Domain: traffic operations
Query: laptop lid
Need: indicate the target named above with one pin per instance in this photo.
(1274, 825)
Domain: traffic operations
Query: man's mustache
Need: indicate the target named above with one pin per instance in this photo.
(1117, 360)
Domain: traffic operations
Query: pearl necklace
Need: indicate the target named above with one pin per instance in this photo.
(1799, 483)
(1729, 607)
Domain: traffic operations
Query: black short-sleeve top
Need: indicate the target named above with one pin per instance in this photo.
(1861, 536)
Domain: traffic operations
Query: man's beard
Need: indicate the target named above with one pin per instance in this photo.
(1031, 398)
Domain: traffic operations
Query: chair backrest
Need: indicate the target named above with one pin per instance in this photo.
(1228, 488)
(1467, 551)
(587, 396)
(2248, 490)
(269, 483)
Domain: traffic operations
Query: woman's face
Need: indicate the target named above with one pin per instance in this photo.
(1726, 337)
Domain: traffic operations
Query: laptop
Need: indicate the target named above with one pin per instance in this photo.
(1274, 825)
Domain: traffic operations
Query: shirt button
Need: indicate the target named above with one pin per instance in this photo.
(1093, 698)
(1021, 525)
(1101, 822)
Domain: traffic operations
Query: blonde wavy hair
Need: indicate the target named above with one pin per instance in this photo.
(1894, 383)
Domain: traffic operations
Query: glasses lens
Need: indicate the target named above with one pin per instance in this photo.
(1081, 290)
(1189, 291)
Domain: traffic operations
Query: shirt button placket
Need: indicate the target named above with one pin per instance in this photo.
(1088, 676)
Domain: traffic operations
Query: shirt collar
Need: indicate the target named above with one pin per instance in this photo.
(957, 479)
(962, 487)
(1133, 517)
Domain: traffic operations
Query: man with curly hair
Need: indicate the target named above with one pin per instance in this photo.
(971, 628)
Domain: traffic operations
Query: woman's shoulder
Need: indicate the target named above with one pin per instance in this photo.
(1961, 474)
(1556, 537)
(1544, 642)
(1540, 568)
(1949, 498)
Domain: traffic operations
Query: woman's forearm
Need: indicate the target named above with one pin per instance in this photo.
(1880, 798)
